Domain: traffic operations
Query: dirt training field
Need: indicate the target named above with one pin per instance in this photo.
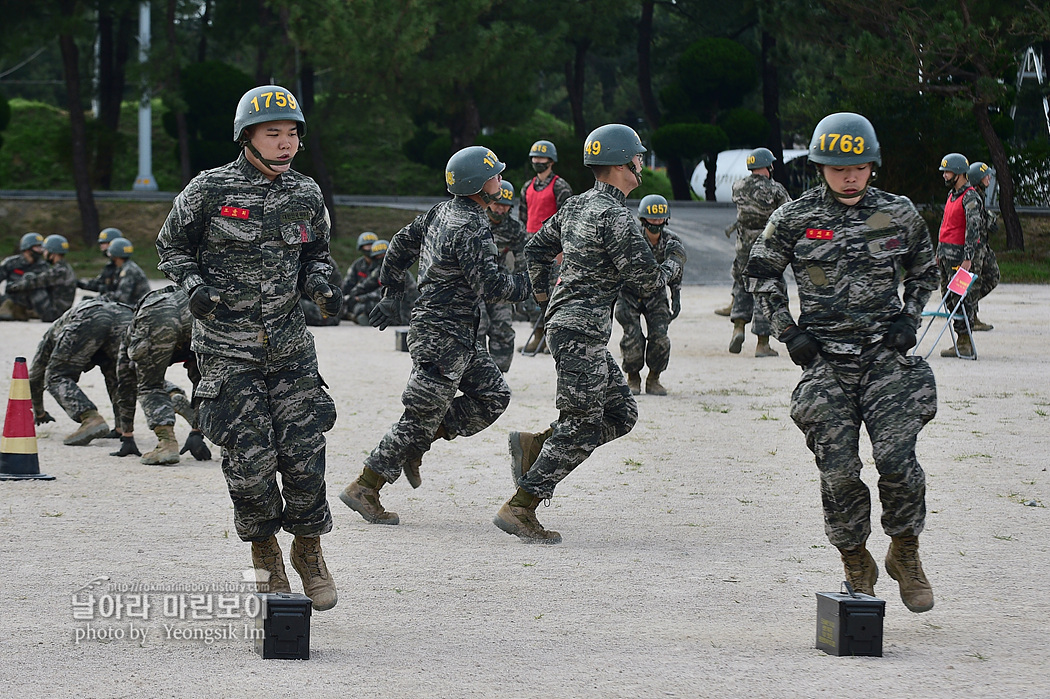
(692, 547)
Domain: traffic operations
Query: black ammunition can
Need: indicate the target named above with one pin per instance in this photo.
(282, 629)
(849, 624)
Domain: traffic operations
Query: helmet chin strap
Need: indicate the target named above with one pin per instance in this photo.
(840, 196)
(269, 163)
(488, 198)
(634, 171)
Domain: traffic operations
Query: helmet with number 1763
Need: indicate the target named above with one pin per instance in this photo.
(844, 139)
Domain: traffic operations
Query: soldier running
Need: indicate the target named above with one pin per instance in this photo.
(497, 326)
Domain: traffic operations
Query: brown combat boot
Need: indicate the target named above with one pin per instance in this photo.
(861, 571)
(92, 426)
(763, 349)
(9, 310)
(964, 345)
(533, 345)
(182, 406)
(167, 451)
(309, 564)
(737, 341)
(411, 467)
(518, 517)
(634, 382)
(725, 311)
(268, 562)
(653, 386)
(362, 496)
(904, 566)
(525, 448)
(979, 326)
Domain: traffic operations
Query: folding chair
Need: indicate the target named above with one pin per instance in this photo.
(958, 287)
(543, 338)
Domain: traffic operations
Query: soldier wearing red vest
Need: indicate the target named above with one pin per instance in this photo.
(541, 197)
(960, 234)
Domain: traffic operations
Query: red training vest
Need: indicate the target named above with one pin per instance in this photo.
(953, 225)
(539, 204)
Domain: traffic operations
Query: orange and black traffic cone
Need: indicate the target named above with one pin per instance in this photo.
(18, 457)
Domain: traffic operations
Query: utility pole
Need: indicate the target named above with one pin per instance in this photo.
(145, 181)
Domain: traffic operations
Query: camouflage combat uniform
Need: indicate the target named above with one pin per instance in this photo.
(85, 336)
(497, 316)
(636, 348)
(848, 262)
(131, 285)
(603, 251)
(104, 282)
(157, 337)
(457, 268)
(261, 397)
(984, 262)
(359, 271)
(950, 256)
(756, 197)
(50, 291)
(12, 270)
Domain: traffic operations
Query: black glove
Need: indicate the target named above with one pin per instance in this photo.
(676, 302)
(39, 418)
(801, 345)
(195, 445)
(113, 434)
(327, 297)
(127, 446)
(385, 312)
(203, 301)
(901, 334)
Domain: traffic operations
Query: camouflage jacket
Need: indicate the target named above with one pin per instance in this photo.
(603, 250)
(509, 236)
(359, 270)
(848, 263)
(976, 224)
(132, 284)
(256, 241)
(660, 253)
(562, 192)
(457, 269)
(15, 267)
(56, 284)
(104, 282)
(756, 197)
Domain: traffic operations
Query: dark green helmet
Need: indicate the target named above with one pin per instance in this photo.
(844, 138)
(267, 103)
(506, 193)
(120, 247)
(56, 244)
(469, 169)
(108, 235)
(544, 149)
(955, 163)
(760, 158)
(653, 206)
(978, 171)
(366, 238)
(379, 248)
(30, 240)
(612, 144)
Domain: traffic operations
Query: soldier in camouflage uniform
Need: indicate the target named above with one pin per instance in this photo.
(245, 241)
(851, 246)
(603, 250)
(107, 279)
(157, 337)
(541, 197)
(635, 347)
(962, 227)
(497, 317)
(363, 296)
(18, 305)
(51, 290)
(457, 269)
(85, 336)
(756, 197)
(359, 270)
(980, 177)
(132, 284)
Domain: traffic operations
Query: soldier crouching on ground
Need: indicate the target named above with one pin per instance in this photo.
(457, 270)
(636, 348)
(157, 337)
(603, 250)
(17, 305)
(850, 247)
(51, 290)
(244, 240)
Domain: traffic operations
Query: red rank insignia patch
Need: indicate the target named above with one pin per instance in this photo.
(234, 212)
(303, 233)
(819, 234)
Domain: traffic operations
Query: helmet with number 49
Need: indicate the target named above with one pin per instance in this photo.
(612, 144)
(843, 139)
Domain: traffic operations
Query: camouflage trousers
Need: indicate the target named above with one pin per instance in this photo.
(894, 396)
(269, 419)
(948, 259)
(497, 328)
(635, 347)
(987, 268)
(744, 306)
(440, 369)
(77, 349)
(594, 405)
(144, 379)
